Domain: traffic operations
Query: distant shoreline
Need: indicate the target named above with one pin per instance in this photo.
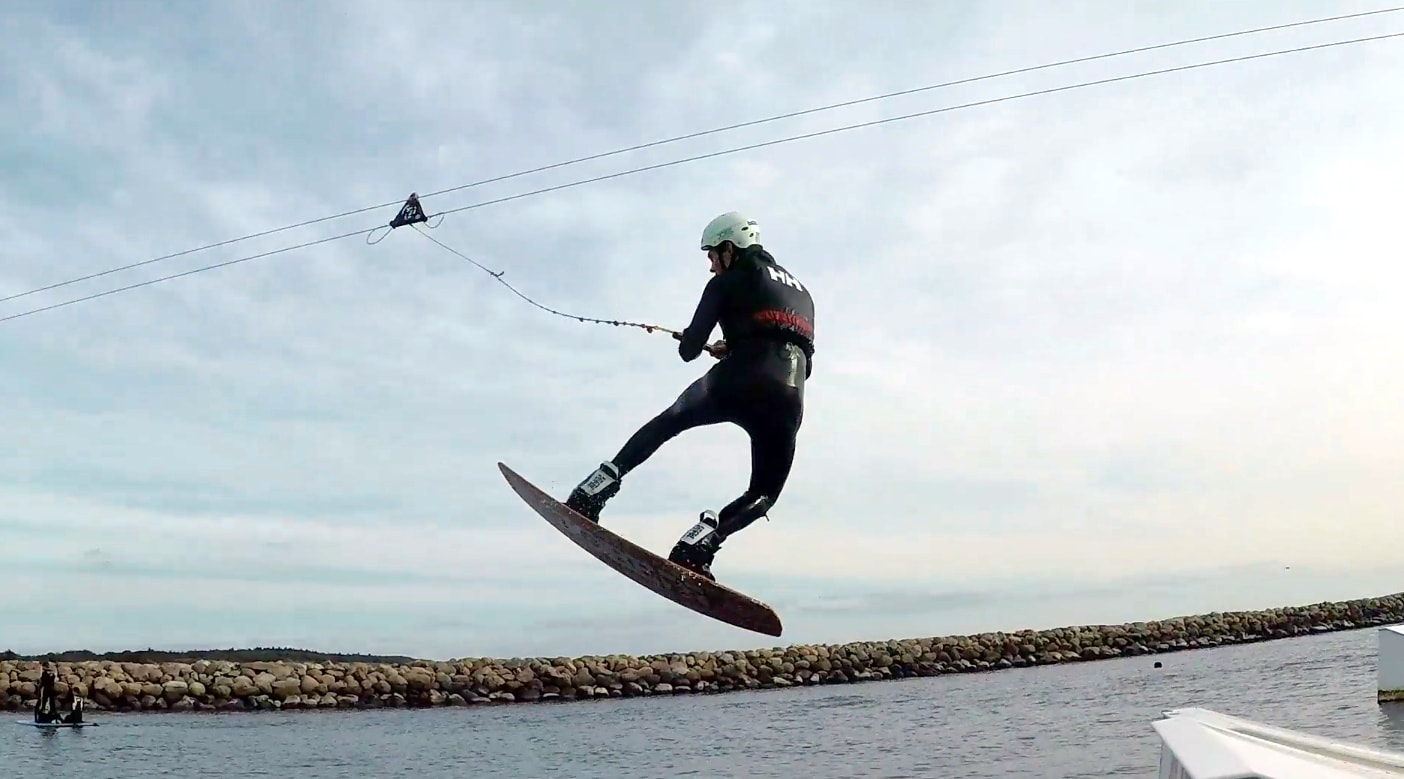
(275, 678)
(255, 654)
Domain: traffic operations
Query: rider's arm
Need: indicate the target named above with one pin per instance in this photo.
(704, 319)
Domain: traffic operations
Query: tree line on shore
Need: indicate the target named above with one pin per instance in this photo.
(250, 655)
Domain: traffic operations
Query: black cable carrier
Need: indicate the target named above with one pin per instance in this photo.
(410, 213)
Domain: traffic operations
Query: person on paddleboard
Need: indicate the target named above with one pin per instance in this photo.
(765, 355)
(75, 715)
(46, 707)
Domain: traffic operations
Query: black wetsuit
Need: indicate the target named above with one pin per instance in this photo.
(767, 321)
(46, 707)
(75, 714)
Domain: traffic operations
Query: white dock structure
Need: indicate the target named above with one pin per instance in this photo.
(1389, 661)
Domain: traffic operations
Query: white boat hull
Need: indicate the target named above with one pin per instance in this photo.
(1202, 744)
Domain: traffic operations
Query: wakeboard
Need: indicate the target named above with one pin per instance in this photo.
(662, 576)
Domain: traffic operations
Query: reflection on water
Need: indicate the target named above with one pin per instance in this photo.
(1391, 724)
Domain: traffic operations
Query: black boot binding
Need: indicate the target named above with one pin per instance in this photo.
(698, 546)
(590, 496)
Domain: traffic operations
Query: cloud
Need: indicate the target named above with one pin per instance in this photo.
(1064, 341)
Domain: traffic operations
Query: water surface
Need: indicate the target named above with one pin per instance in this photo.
(1084, 720)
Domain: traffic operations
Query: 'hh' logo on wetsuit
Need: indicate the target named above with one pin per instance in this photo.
(784, 278)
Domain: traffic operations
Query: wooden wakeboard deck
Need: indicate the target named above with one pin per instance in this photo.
(658, 574)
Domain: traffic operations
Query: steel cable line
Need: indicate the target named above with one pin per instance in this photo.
(702, 133)
(191, 272)
(734, 150)
(903, 117)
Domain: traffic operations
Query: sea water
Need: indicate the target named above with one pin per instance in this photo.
(1080, 720)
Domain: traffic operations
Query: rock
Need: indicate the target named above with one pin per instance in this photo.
(285, 688)
(174, 690)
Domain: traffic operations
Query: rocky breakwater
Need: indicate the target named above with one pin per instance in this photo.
(218, 685)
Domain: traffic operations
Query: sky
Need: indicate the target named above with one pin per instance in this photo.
(1115, 353)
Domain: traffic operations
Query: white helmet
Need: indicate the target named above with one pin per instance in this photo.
(731, 226)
